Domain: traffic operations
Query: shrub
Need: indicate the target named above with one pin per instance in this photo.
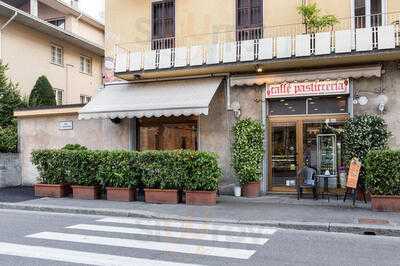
(363, 134)
(203, 172)
(8, 139)
(74, 147)
(188, 170)
(42, 93)
(383, 172)
(119, 169)
(248, 150)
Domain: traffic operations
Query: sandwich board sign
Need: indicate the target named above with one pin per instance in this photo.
(354, 173)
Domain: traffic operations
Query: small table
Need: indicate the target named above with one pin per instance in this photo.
(326, 185)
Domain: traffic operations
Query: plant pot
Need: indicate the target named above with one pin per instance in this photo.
(251, 190)
(121, 194)
(201, 197)
(52, 191)
(85, 192)
(169, 196)
(385, 203)
(237, 190)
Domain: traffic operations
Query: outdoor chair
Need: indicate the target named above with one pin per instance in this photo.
(301, 185)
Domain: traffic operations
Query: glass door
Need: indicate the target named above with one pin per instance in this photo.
(284, 155)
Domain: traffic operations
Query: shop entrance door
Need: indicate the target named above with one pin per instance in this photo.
(284, 155)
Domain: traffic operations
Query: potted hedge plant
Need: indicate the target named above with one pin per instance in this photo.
(52, 181)
(118, 173)
(160, 176)
(203, 174)
(383, 179)
(82, 168)
(248, 154)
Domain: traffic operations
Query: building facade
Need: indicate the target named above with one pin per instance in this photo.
(52, 38)
(192, 68)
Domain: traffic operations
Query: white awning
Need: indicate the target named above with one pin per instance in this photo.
(152, 99)
(323, 74)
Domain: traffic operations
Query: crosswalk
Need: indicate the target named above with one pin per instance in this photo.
(200, 239)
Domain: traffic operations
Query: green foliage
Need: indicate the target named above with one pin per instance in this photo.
(312, 19)
(42, 93)
(74, 147)
(362, 134)
(383, 172)
(188, 170)
(248, 150)
(8, 139)
(10, 99)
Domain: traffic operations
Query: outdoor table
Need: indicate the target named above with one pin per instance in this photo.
(326, 186)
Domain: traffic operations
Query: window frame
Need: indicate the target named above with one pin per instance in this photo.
(57, 20)
(163, 18)
(86, 59)
(86, 98)
(57, 93)
(54, 60)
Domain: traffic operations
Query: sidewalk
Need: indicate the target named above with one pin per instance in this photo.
(273, 210)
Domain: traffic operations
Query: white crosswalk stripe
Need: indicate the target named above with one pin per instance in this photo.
(152, 245)
(218, 240)
(71, 256)
(192, 225)
(172, 234)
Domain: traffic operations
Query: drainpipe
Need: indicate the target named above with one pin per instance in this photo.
(1, 33)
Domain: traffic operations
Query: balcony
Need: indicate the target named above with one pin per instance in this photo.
(225, 51)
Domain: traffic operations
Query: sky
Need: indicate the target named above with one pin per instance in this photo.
(95, 8)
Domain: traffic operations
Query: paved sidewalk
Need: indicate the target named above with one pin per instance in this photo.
(273, 210)
(16, 194)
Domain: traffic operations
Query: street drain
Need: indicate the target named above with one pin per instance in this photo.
(369, 233)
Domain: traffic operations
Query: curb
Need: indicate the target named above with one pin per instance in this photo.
(382, 230)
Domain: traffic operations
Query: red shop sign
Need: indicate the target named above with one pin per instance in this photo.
(308, 88)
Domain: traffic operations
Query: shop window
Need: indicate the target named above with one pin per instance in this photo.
(167, 134)
(327, 105)
(287, 107)
(312, 105)
(163, 24)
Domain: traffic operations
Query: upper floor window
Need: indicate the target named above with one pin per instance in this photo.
(85, 99)
(368, 13)
(85, 65)
(59, 96)
(57, 55)
(249, 19)
(163, 24)
(58, 22)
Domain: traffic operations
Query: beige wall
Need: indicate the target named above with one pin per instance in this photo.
(28, 54)
(43, 133)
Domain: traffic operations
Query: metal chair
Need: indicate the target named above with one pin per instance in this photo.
(301, 185)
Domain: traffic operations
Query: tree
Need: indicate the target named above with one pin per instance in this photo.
(42, 93)
(312, 19)
(10, 98)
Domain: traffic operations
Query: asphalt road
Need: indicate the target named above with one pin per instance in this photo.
(39, 238)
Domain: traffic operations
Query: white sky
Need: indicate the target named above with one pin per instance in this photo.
(94, 8)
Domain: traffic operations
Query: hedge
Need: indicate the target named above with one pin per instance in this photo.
(185, 170)
(383, 172)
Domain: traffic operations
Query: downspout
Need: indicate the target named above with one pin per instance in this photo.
(1, 33)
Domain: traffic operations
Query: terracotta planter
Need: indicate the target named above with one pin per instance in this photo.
(201, 197)
(52, 191)
(121, 194)
(85, 192)
(169, 196)
(385, 203)
(251, 190)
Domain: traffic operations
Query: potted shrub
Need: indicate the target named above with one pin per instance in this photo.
(118, 173)
(82, 169)
(160, 177)
(383, 179)
(203, 174)
(52, 175)
(247, 155)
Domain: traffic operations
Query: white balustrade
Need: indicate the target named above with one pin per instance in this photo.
(181, 56)
(303, 45)
(229, 52)
(322, 43)
(165, 60)
(386, 37)
(343, 41)
(265, 49)
(196, 55)
(121, 61)
(213, 54)
(149, 60)
(364, 40)
(247, 51)
(284, 47)
(135, 61)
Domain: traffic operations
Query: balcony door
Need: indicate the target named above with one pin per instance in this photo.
(163, 24)
(369, 13)
(249, 19)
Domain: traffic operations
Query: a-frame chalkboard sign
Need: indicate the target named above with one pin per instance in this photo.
(353, 184)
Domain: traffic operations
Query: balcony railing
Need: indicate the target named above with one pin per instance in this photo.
(357, 34)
